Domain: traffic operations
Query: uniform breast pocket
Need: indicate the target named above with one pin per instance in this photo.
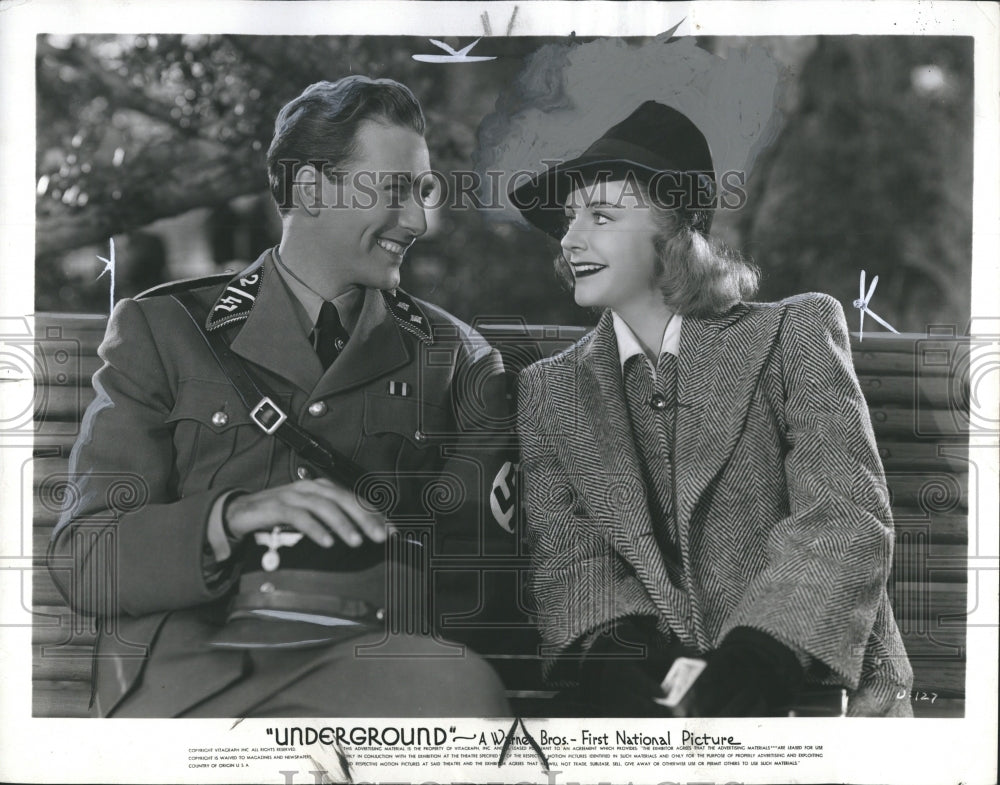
(401, 434)
(401, 448)
(215, 442)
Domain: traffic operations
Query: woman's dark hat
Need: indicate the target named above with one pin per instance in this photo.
(656, 144)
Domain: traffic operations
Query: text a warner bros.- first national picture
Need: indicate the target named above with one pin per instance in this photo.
(505, 369)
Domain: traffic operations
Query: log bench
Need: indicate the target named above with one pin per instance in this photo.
(917, 390)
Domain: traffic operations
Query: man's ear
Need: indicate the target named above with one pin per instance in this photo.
(307, 191)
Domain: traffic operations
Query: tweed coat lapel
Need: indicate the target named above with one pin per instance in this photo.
(272, 336)
(720, 361)
(605, 429)
(617, 498)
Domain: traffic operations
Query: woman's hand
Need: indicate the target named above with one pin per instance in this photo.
(623, 670)
(749, 675)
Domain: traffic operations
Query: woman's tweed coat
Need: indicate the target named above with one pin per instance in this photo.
(782, 508)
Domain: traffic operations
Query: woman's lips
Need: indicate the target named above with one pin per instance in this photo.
(586, 269)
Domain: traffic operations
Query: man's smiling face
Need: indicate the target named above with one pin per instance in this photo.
(370, 214)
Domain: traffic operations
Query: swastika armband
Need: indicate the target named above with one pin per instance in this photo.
(503, 501)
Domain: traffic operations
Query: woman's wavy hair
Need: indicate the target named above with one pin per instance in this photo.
(699, 275)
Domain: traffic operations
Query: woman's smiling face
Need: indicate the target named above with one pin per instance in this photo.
(609, 244)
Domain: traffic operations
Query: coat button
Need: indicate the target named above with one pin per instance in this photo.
(420, 436)
(303, 473)
(266, 588)
(380, 614)
(317, 408)
(219, 419)
(657, 402)
(339, 343)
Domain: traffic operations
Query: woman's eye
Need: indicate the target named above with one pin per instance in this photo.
(600, 219)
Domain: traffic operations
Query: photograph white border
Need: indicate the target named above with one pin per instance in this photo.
(857, 750)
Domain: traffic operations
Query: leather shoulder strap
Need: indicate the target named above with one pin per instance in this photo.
(263, 405)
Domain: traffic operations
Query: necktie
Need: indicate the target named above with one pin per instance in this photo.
(329, 336)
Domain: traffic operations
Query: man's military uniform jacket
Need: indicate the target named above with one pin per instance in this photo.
(782, 510)
(410, 399)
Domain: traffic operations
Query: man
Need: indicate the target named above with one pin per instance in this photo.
(273, 458)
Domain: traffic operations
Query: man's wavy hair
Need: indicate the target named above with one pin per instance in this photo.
(698, 275)
(321, 125)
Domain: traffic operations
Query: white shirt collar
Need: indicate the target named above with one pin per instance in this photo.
(628, 344)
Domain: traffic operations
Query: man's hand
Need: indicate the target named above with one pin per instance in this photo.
(320, 509)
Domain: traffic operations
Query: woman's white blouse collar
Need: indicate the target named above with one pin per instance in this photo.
(628, 344)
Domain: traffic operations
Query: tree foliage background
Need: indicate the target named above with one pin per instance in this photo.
(872, 168)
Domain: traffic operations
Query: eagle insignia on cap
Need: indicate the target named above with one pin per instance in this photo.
(238, 298)
(407, 314)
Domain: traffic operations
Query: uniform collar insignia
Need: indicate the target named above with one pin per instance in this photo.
(407, 313)
(238, 298)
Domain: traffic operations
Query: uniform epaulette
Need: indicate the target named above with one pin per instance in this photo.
(184, 285)
(408, 315)
(237, 299)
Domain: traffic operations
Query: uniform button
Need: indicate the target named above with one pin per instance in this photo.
(657, 402)
(219, 419)
(420, 436)
(339, 343)
(317, 409)
(267, 588)
(303, 473)
(380, 614)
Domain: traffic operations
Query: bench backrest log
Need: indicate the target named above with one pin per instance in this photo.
(917, 388)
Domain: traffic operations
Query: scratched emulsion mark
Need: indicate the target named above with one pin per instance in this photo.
(109, 267)
(462, 55)
(488, 28)
(526, 738)
(862, 305)
(341, 768)
(454, 56)
(569, 93)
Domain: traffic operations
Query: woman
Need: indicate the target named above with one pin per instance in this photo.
(700, 472)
